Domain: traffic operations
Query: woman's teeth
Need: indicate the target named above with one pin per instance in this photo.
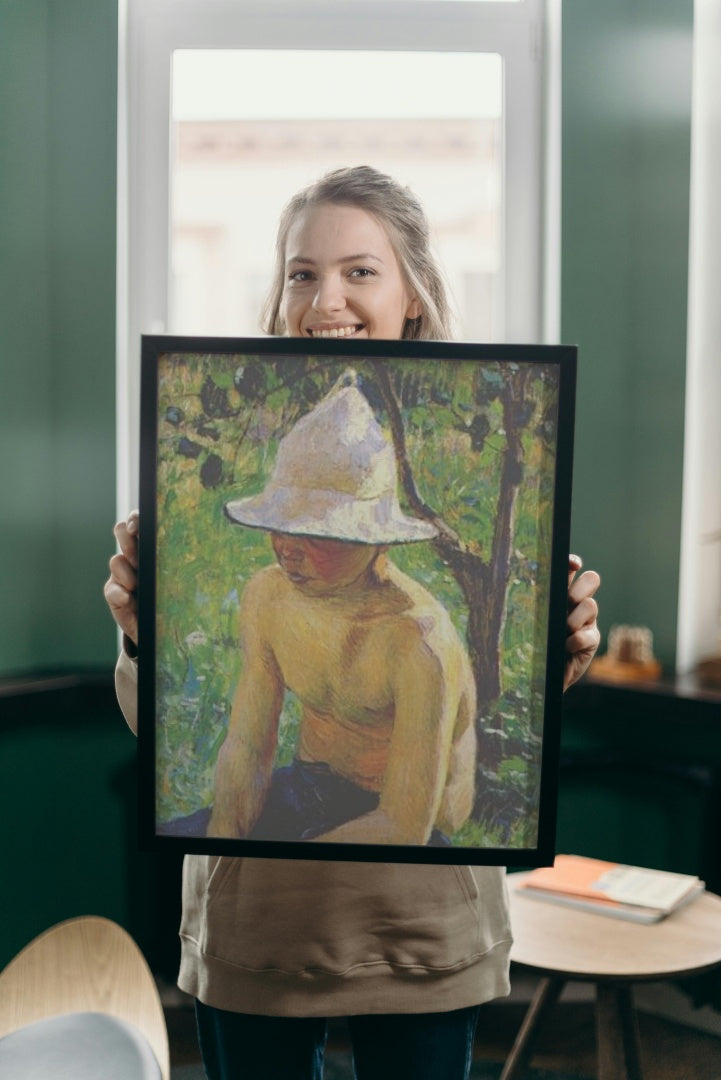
(336, 332)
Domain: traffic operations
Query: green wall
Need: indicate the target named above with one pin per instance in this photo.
(626, 145)
(626, 135)
(58, 72)
(626, 128)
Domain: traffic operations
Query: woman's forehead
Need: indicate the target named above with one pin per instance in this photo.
(333, 230)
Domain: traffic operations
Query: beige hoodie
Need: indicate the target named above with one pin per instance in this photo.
(285, 937)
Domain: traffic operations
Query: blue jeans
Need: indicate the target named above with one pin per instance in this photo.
(413, 1046)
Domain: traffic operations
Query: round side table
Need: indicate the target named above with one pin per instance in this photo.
(563, 944)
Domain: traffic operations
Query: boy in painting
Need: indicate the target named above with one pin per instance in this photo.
(386, 745)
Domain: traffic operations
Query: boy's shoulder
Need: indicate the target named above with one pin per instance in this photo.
(264, 584)
(420, 600)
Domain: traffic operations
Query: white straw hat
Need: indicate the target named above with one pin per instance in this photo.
(334, 476)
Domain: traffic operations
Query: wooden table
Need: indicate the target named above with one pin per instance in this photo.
(563, 944)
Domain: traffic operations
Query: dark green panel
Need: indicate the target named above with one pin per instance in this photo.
(626, 145)
(82, 222)
(57, 320)
(641, 777)
(627, 815)
(68, 784)
(26, 481)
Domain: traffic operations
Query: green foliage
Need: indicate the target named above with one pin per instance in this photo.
(220, 419)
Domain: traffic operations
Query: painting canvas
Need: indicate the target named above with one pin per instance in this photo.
(352, 596)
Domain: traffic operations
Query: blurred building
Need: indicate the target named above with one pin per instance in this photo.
(231, 179)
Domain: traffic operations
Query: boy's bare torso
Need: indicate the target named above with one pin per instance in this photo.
(345, 656)
(387, 701)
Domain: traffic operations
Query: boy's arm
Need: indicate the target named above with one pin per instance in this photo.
(245, 760)
(427, 695)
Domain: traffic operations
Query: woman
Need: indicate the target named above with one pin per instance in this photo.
(271, 948)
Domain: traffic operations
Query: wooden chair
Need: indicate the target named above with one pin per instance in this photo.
(80, 975)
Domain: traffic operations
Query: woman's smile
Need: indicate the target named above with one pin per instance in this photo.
(335, 331)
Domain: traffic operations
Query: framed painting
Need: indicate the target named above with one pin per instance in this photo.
(352, 597)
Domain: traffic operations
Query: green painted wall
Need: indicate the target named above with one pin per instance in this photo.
(626, 145)
(58, 71)
(626, 128)
(626, 137)
(626, 132)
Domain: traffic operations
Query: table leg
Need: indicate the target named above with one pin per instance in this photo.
(545, 997)
(617, 1033)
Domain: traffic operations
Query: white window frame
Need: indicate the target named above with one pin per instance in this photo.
(699, 597)
(526, 34)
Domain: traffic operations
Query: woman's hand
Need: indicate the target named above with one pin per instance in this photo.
(583, 635)
(120, 588)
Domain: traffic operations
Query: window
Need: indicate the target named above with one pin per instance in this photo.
(227, 107)
(235, 161)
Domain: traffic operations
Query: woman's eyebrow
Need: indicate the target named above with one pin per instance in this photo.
(363, 256)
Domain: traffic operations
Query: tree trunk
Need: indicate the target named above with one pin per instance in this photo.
(483, 582)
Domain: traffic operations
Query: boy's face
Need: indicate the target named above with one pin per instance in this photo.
(342, 277)
(321, 566)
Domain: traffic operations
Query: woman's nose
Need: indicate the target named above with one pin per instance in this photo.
(329, 295)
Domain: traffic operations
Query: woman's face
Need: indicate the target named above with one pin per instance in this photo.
(342, 277)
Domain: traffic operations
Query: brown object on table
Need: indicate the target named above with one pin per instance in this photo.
(565, 945)
(629, 658)
(709, 671)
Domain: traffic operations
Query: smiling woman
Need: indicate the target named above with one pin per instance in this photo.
(323, 110)
(230, 107)
(356, 270)
(332, 292)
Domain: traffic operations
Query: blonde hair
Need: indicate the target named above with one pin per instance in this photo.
(403, 217)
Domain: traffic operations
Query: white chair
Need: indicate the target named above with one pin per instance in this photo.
(80, 1002)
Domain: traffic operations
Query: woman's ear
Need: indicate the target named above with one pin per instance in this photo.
(415, 309)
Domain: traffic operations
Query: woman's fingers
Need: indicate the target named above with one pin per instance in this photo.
(120, 588)
(126, 534)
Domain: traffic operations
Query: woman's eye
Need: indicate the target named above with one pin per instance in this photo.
(362, 272)
(299, 276)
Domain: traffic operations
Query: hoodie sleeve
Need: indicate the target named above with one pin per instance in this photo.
(126, 688)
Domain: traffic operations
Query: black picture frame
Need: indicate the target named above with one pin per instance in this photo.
(482, 437)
